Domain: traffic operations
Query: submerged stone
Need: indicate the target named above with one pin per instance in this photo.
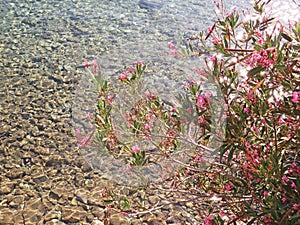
(144, 4)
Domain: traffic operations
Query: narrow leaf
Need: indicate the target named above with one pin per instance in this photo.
(254, 71)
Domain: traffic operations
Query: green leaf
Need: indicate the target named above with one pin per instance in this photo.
(294, 217)
(286, 37)
(255, 70)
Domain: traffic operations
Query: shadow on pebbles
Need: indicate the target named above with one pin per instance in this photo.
(44, 179)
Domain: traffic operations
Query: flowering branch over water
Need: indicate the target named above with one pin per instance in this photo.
(254, 173)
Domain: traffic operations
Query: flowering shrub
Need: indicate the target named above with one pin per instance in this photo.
(254, 64)
(260, 155)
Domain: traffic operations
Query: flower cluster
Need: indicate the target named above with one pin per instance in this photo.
(264, 58)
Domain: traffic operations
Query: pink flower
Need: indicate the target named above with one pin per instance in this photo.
(295, 97)
(260, 41)
(135, 149)
(139, 63)
(110, 98)
(147, 126)
(285, 180)
(89, 115)
(283, 199)
(94, 62)
(202, 101)
(171, 45)
(295, 206)
(281, 119)
(83, 142)
(131, 69)
(250, 176)
(123, 77)
(209, 220)
(189, 110)
(173, 52)
(227, 187)
(215, 41)
(267, 220)
(201, 120)
(246, 110)
(124, 214)
(222, 213)
(86, 64)
(198, 159)
(213, 58)
(293, 185)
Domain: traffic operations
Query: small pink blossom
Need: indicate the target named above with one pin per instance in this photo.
(260, 41)
(173, 52)
(281, 119)
(123, 76)
(201, 120)
(171, 45)
(209, 220)
(131, 69)
(83, 142)
(189, 110)
(246, 110)
(285, 179)
(139, 63)
(228, 187)
(213, 58)
(147, 126)
(267, 220)
(296, 206)
(215, 41)
(198, 159)
(222, 213)
(124, 214)
(86, 64)
(135, 149)
(203, 101)
(250, 176)
(283, 199)
(187, 172)
(94, 62)
(293, 185)
(295, 97)
(110, 98)
(209, 30)
(89, 115)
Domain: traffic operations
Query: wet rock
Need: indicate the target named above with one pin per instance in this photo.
(7, 216)
(73, 214)
(15, 173)
(53, 214)
(55, 222)
(156, 222)
(39, 178)
(151, 4)
(118, 220)
(97, 222)
(6, 188)
(82, 196)
(17, 201)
